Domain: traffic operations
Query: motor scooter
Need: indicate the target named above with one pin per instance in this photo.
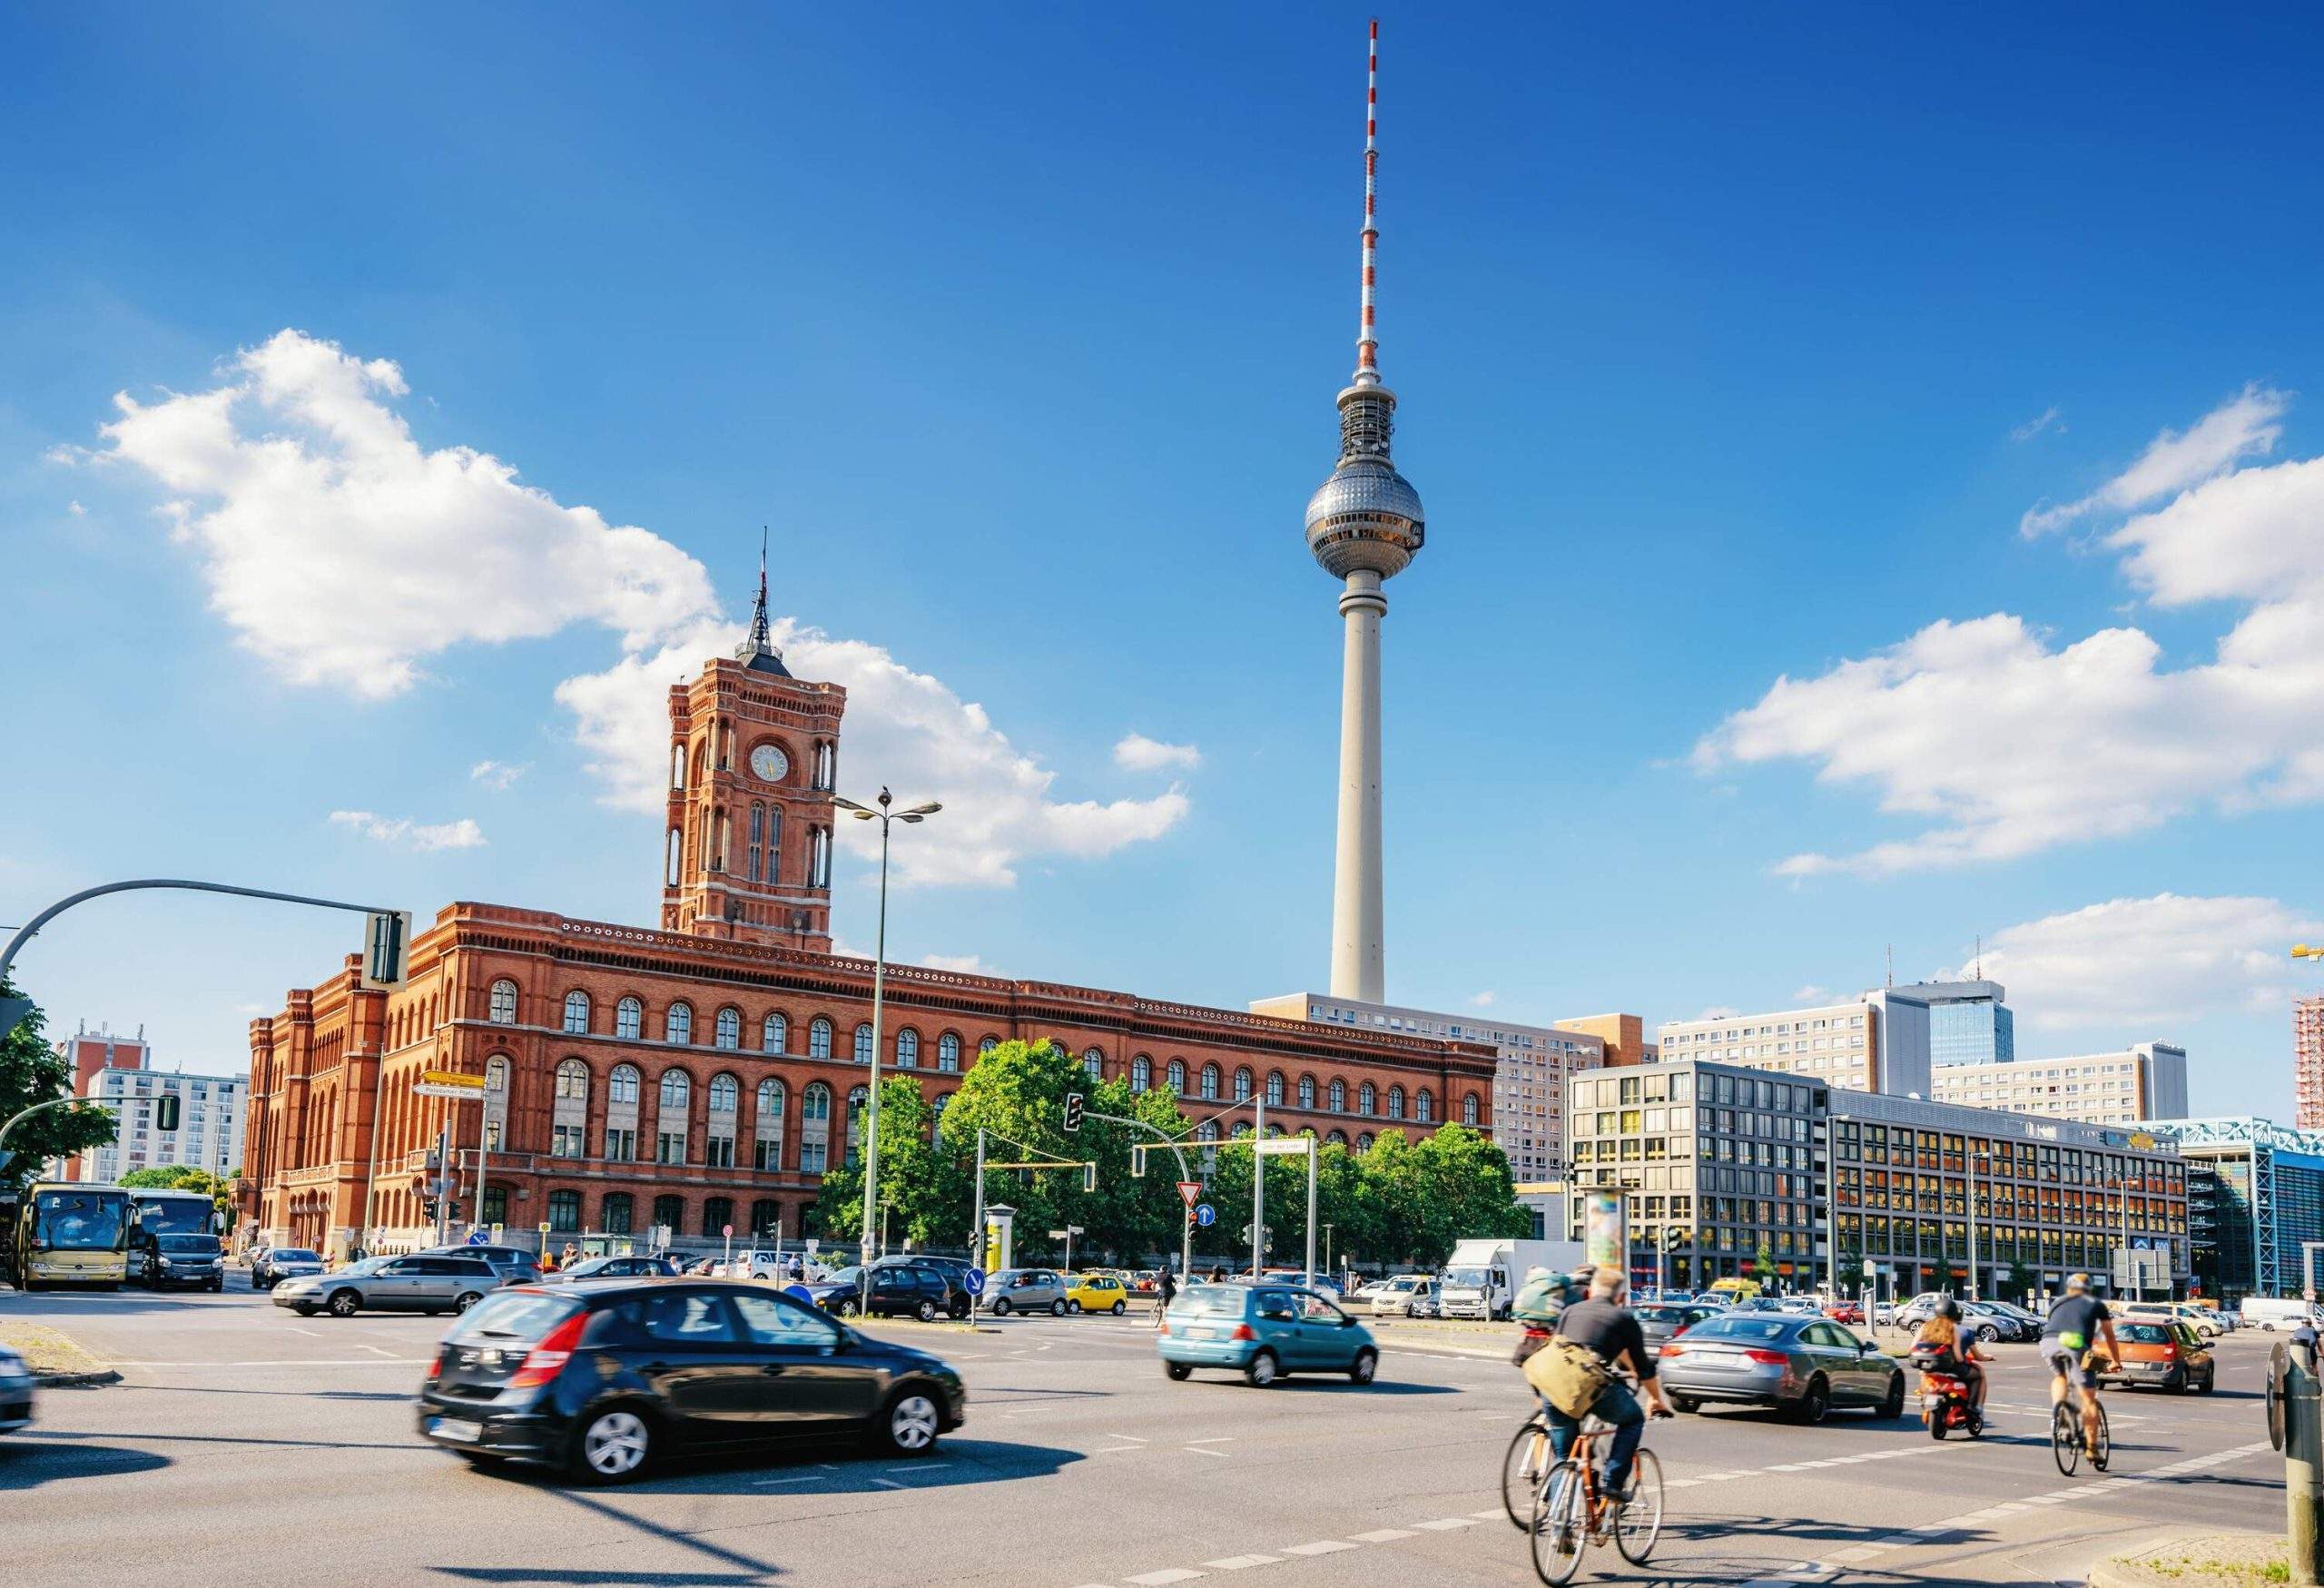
(1945, 1398)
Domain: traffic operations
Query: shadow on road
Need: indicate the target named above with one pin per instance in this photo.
(28, 1464)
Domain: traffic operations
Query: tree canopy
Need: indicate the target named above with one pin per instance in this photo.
(31, 1072)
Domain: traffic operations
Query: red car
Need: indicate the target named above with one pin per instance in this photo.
(1847, 1312)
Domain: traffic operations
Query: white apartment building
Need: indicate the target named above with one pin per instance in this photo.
(1529, 1084)
(211, 1112)
(2147, 1080)
(1878, 1042)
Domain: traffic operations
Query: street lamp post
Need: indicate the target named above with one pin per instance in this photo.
(879, 1000)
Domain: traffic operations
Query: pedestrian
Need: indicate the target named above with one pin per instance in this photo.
(1217, 1273)
(570, 1255)
(1165, 1292)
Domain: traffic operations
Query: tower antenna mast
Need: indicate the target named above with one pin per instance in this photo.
(1367, 335)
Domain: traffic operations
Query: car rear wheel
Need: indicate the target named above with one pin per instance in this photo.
(1988, 1333)
(1000, 1306)
(1367, 1364)
(1262, 1370)
(344, 1303)
(1815, 1406)
(1119, 1307)
(1178, 1370)
(908, 1426)
(304, 1311)
(613, 1445)
(845, 1308)
(467, 1298)
(1892, 1404)
(1687, 1404)
(1057, 1309)
(2211, 1381)
(926, 1310)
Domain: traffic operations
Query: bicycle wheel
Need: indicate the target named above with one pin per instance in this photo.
(1559, 1524)
(1522, 1469)
(2066, 1437)
(1640, 1522)
(2104, 1452)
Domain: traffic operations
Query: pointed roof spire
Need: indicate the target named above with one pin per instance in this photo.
(1367, 340)
(757, 651)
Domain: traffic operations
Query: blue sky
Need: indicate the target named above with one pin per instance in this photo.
(1961, 371)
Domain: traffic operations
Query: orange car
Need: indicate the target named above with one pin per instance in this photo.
(2167, 1354)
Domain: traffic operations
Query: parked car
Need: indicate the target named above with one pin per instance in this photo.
(896, 1290)
(422, 1282)
(1988, 1322)
(270, 1266)
(1845, 1311)
(1915, 1312)
(15, 1391)
(2166, 1352)
(514, 1264)
(1666, 1321)
(1719, 1298)
(629, 1268)
(954, 1269)
(1405, 1295)
(1097, 1293)
(195, 1261)
(1145, 1282)
(2202, 1320)
(1802, 1367)
(1024, 1290)
(606, 1378)
(2030, 1322)
(1263, 1332)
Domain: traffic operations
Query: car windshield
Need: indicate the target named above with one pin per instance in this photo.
(514, 1314)
(1210, 1301)
(2145, 1334)
(1741, 1328)
(851, 1274)
(1465, 1275)
(188, 1245)
(1404, 1282)
(1668, 1315)
(293, 1254)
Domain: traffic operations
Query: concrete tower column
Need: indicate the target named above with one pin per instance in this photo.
(1358, 919)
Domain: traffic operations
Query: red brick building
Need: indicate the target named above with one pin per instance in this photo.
(704, 1074)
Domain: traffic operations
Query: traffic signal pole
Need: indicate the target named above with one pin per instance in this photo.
(1185, 1214)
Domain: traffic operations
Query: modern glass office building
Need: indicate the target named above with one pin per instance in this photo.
(2255, 1197)
(1968, 1023)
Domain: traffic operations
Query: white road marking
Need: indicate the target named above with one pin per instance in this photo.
(891, 1484)
(1445, 1523)
(1321, 1547)
(1241, 1563)
(1198, 1450)
(778, 1483)
(379, 1350)
(1170, 1575)
(1214, 1439)
(1383, 1535)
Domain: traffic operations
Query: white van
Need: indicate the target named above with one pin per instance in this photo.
(2275, 1312)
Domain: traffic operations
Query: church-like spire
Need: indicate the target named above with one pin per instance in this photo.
(758, 653)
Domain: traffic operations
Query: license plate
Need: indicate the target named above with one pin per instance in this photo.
(1200, 1334)
(458, 1428)
(1724, 1361)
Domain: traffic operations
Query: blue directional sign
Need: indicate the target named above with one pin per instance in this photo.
(972, 1281)
(798, 1293)
(1206, 1215)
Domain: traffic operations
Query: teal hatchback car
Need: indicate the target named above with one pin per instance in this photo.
(1263, 1332)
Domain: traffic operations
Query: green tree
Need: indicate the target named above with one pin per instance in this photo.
(185, 1177)
(31, 1072)
(916, 1182)
(1763, 1267)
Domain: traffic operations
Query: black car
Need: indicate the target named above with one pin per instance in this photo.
(630, 1268)
(898, 1290)
(514, 1264)
(195, 1261)
(604, 1377)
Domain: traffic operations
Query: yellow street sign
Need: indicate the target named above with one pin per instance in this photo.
(451, 1078)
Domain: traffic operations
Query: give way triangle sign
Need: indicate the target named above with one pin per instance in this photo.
(1188, 1191)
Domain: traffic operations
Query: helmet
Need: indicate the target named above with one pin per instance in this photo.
(1946, 1307)
(2077, 1283)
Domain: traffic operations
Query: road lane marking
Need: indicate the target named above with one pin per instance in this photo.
(1383, 1535)
(1321, 1547)
(1198, 1450)
(1214, 1439)
(1445, 1523)
(1168, 1575)
(777, 1483)
(1242, 1562)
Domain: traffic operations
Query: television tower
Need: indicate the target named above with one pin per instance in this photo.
(1364, 525)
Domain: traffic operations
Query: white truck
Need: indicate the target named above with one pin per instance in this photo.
(1483, 1277)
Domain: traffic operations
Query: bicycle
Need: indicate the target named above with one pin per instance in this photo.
(2065, 1434)
(1569, 1515)
(1530, 1458)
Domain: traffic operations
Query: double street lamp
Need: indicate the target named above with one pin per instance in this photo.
(885, 816)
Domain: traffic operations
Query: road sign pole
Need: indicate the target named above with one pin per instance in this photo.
(1310, 1280)
(443, 1170)
(976, 1235)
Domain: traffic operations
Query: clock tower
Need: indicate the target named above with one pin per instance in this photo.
(754, 757)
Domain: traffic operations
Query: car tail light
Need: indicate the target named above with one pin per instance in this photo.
(2170, 1352)
(548, 1358)
(1243, 1332)
(1767, 1359)
(1671, 1348)
(436, 1368)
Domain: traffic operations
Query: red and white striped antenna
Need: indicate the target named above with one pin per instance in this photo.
(1367, 339)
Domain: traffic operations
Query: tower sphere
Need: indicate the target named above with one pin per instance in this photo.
(1366, 515)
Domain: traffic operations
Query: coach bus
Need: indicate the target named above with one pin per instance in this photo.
(173, 1232)
(72, 1233)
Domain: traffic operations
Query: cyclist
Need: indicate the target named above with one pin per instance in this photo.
(1608, 1327)
(1165, 1291)
(2067, 1335)
(1544, 1296)
(1951, 1351)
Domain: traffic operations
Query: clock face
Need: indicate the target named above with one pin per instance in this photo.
(770, 764)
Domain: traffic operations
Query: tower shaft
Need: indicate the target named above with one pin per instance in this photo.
(1359, 927)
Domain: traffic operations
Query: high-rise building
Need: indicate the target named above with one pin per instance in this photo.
(1968, 1023)
(1528, 1088)
(1878, 1043)
(2146, 1080)
(2255, 1203)
(88, 1052)
(210, 1112)
(1364, 524)
(2308, 1062)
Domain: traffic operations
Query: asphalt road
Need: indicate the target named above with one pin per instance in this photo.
(248, 1443)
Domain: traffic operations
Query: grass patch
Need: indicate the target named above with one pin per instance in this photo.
(48, 1351)
(2251, 1568)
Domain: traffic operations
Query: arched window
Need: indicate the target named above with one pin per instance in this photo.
(1336, 1138)
(1469, 1109)
(1395, 1102)
(766, 1216)
(1306, 1091)
(774, 1033)
(819, 1038)
(1367, 1099)
(670, 1127)
(677, 1026)
(863, 1044)
(670, 1210)
(619, 1213)
(728, 1033)
(1209, 1080)
(1364, 1143)
(1093, 1063)
(621, 1086)
(1141, 1073)
(858, 1098)
(907, 1048)
(819, 859)
(503, 1011)
(1242, 1084)
(1422, 1109)
(936, 1116)
(774, 843)
(948, 1053)
(1176, 1074)
(1339, 1097)
(576, 1013)
(717, 1215)
(758, 826)
(1274, 1089)
(814, 1128)
(725, 1093)
(677, 765)
(675, 1090)
(629, 1020)
(1206, 1131)
(766, 1130)
(572, 1079)
(671, 867)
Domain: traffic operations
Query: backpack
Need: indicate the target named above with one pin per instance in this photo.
(1568, 1374)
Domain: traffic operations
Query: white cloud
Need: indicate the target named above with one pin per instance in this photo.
(344, 553)
(2046, 419)
(1140, 754)
(2008, 744)
(76, 509)
(905, 729)
(405, 833)
(1718, 1012)
(2246, 426)
(1482, 999)
(497, 775)
(1811, 995)
(2141, 967)
(965, 964)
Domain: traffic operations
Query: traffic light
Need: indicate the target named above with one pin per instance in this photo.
(386, 935)
(165, 1111)
(1137, 1163)
(1073, 1110)
(427, 1207)
(1088, 1176)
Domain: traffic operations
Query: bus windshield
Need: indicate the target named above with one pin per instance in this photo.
(77, 1221)
(175, 1213)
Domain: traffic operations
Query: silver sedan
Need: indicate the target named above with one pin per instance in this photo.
(1803, 1366)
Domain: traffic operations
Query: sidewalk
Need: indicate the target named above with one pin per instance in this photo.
(2229, 1560)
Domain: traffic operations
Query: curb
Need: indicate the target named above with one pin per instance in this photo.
(75, 1380)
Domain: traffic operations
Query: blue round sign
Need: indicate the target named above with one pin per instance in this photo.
(972, 1281)
(1206, 1215)
(798, 1293)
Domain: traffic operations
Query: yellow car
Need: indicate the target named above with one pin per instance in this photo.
(1097, 1292)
